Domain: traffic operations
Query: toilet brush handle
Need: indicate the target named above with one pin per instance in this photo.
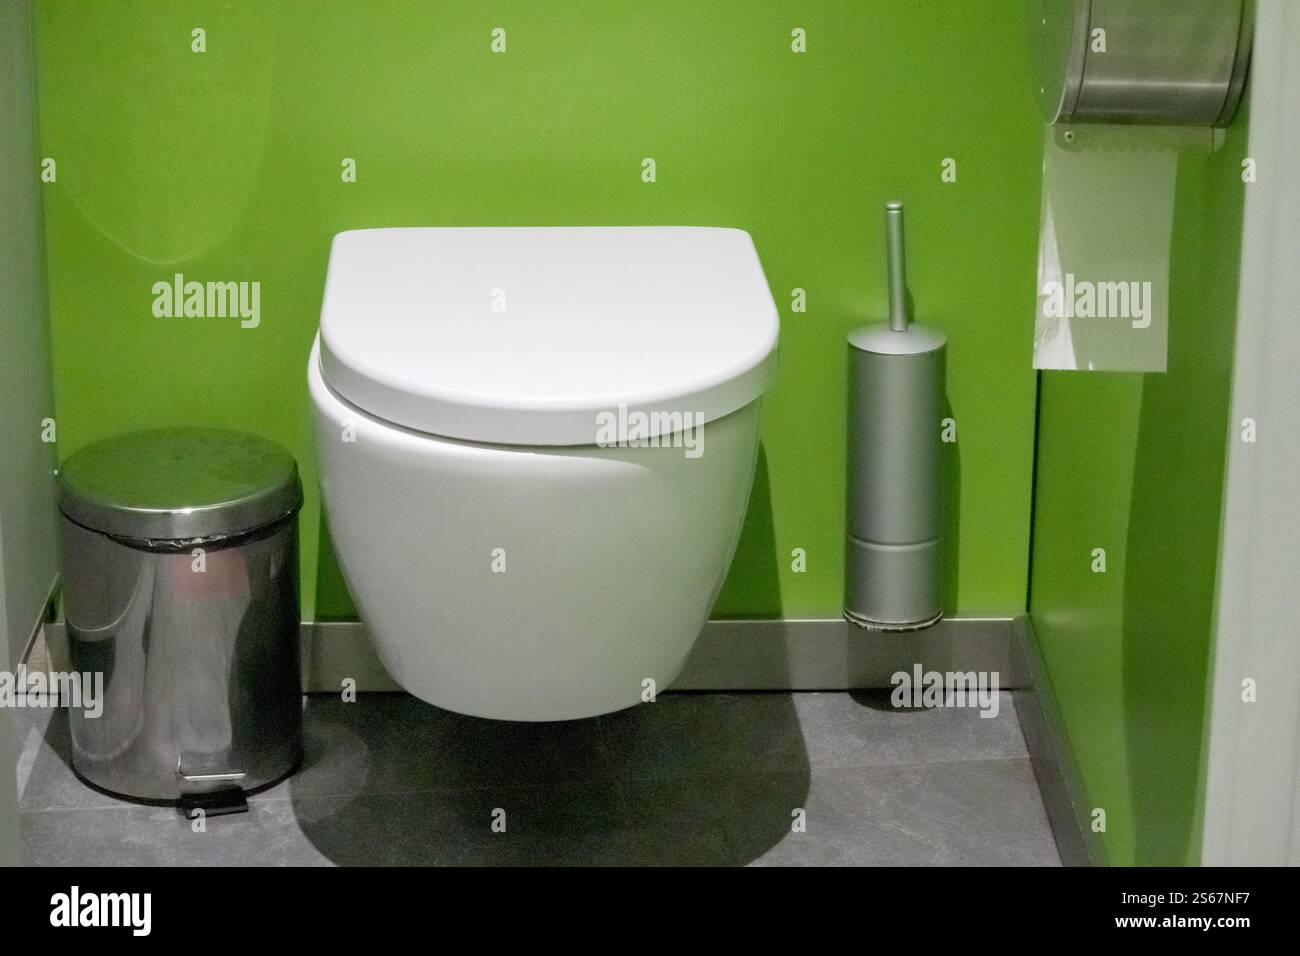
(897, 273)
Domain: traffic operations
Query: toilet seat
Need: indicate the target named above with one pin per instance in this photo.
(509, 560)
(524, 336)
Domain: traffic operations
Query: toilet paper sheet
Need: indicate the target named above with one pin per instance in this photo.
(1103, 255)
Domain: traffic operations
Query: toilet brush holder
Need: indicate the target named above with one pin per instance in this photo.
(895, 494)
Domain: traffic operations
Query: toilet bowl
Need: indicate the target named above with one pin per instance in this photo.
(535, 448)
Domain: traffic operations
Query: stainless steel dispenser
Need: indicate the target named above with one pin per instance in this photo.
(895, 496)
(1157, 62)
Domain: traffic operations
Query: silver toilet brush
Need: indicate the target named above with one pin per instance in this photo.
(895, 494)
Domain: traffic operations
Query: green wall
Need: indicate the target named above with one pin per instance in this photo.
(226, 165)
(1134, 464)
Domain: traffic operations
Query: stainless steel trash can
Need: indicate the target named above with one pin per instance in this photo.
(179, 562)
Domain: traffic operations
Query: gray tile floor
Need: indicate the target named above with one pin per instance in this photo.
(714, 779)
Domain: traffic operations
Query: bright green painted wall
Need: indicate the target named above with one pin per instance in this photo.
(225, 165)
(1134, 464)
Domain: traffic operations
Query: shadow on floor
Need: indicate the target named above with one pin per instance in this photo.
(705, 779)
(687, 780)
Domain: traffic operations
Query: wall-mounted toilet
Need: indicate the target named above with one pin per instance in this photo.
(535, 449)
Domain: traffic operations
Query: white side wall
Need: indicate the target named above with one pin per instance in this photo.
(1252, 805)
(27, 526)
(27, 558)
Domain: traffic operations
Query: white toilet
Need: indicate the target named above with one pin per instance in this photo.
(513, 552)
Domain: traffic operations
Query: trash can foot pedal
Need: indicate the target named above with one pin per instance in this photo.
(214, 803)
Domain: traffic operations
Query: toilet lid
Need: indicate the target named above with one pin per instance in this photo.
(537, 336)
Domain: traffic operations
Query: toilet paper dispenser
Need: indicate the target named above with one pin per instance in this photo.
(1151, 62)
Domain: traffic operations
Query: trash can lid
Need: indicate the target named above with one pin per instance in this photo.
(177, 484)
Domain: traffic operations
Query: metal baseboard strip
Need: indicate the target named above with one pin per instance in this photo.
(34, 648)
(1055, 769)
(748, 655)
(832, 654)
(744, 655)
(338, 651)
